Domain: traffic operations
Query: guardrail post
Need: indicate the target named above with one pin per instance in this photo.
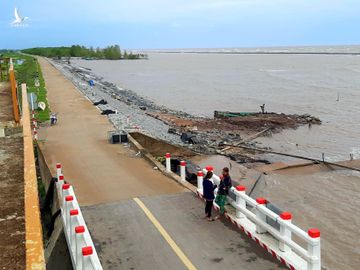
(240, 201)
(79, 230)
(261, 216)
(65, 191)
(68, 199)
(86, 252)
(215, 179)
(34, 123)
(67, 213)
(168, 162)
(58, 170)
(200, 178)
(284, 230)
(59, 184)
(182, 170)
(35, 134)
(209, 168)
(73, 213)
(314, 250)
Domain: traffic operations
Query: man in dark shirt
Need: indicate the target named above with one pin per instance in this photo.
(208, 192)
(223, 191)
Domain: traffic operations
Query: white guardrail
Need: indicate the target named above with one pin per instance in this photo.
(34, 125)
(81, 247)
(301, 252)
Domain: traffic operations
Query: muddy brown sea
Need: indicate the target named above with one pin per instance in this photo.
(326, 86)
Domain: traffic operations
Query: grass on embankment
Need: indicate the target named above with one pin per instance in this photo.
(27, 72)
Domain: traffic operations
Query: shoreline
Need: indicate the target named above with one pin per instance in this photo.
(128, 116)
(264, 53)
(132, 112)
(296, 190)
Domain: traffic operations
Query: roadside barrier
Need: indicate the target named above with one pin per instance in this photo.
(183, 171)
(35, 134)
(168, 162)
(81, 247)
(182, 166)
(253, 218)
(34, 126)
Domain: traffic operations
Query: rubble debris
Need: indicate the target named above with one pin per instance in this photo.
(207, 135)
(189, 138)
(172, 131)
(105, 110)
(100, 102)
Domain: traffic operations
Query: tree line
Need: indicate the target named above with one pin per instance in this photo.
(112, 52)
(4, 51)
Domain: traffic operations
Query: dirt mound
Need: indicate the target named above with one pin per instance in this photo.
(261, 121)
(247, 123)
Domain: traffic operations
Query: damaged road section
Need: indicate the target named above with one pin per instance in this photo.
(220, 131)
(128, 111)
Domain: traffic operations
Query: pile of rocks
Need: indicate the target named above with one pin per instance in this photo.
(130, 112)
(128, 116)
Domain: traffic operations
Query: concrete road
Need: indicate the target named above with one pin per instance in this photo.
(100, 172)
(126, 239)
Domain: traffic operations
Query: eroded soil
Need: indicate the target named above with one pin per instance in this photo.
(247, 124)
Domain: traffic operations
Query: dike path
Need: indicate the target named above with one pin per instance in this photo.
(138, 217)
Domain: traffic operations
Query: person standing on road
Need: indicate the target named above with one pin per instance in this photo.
(223, 191)
(53, 119)
(208, 190)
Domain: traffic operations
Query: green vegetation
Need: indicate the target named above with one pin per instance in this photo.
(110, 52)
(2, 51)
(4, 68)
(27, 70)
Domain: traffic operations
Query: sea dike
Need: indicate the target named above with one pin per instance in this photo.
(125, 102)
(131, 112)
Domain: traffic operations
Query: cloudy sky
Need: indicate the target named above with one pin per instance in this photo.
(181, 23)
